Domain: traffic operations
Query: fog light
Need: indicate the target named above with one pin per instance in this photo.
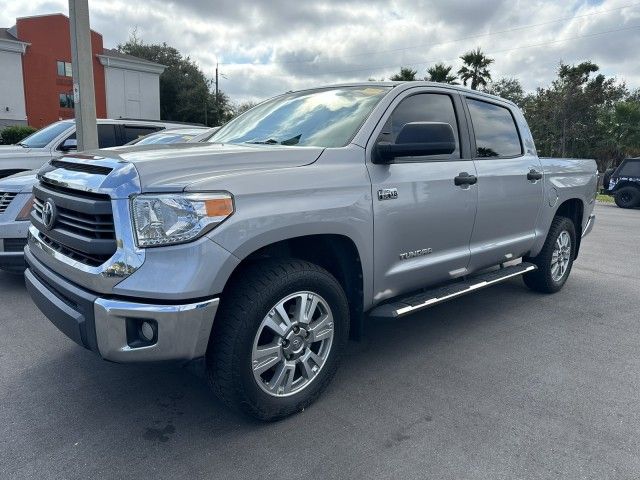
(146, 329)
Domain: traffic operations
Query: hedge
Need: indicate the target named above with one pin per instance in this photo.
(14, 134)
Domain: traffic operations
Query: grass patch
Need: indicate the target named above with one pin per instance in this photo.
(604, 198)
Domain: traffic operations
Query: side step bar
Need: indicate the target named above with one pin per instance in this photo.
(428, 298)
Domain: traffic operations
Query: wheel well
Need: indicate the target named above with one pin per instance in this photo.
(335, 253)
(573, 209)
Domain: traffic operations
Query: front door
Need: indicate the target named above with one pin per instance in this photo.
(422, 233)
(509, 184)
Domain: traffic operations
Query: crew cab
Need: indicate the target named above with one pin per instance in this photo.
(264, 249)
(59, 138)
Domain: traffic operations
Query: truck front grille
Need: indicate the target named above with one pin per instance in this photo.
(5, 200)
(82, 227)
(14, 244)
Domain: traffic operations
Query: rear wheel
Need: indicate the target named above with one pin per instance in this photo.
(277, 338)
(555, 260)
(627, 197)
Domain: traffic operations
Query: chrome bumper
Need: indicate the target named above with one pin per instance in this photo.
(182, 330)
(589, 226)
(111, 327)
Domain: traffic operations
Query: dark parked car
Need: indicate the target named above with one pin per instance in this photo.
(623, 183)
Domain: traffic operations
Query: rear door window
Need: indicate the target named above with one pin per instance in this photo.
(107, 136)
(495, 130)
(134, 132)
(630, 169)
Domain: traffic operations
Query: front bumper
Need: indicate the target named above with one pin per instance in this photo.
(107, 326)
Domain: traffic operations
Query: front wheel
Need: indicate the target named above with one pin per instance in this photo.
(555, 260)
(627, 197)
(278, 337)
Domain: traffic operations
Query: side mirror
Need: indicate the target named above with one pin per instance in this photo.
(69, 144)
(417, 139)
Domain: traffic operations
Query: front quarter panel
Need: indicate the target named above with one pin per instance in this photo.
(330, 196)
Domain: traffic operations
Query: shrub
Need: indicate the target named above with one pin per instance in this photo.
(15, 133)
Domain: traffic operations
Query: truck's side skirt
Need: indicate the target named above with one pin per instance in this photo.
(428, 298)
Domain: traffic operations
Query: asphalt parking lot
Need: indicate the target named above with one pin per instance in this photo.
(505, 383)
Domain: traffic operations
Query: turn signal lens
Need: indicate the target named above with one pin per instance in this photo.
(219, 207)
(25, 212)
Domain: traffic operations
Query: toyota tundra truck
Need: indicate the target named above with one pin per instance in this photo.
(264, 249)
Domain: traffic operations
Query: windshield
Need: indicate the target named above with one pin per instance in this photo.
(45, 135)
(321, 118)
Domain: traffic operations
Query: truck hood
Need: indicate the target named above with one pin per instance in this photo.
(174, 167)
(20, 182)
(16, 151)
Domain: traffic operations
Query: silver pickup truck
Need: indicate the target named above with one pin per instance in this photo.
(264, 249)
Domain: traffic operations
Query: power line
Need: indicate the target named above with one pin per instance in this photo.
(522, 27)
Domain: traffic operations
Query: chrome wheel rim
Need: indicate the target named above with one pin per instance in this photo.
(292, 344)
(561, 256)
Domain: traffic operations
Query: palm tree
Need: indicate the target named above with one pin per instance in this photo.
(475, 68)
(406, 75)
(441, 73)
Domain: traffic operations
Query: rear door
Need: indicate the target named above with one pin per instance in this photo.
(422, 234)
(510, 185)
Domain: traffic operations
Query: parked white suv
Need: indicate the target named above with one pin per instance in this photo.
(59, 138)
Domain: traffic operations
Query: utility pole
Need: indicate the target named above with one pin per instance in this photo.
(84, 97)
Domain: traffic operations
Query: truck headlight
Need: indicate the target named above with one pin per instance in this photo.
(168, 219)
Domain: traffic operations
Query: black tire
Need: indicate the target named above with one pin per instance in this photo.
(250, 297)
(542, 279)
(627, 197)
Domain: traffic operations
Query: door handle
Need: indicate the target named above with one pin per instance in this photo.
(465, 179)
(534, 175)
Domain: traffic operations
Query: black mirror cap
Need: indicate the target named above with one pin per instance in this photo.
(417, 139)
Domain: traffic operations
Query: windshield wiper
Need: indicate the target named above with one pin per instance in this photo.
(271, 141)
(290, 141)
(22, 144)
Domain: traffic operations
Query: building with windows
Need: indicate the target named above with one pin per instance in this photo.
(36, 86)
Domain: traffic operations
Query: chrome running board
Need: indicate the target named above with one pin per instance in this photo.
(413, 303)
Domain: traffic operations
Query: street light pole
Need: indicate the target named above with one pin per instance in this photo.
(82, 66)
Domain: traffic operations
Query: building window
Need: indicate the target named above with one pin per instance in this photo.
(64, 69)
(66, 100)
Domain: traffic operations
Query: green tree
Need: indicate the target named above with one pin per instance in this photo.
(508, 88)
(475, 69)
(621, 132)
(441, 73)
(406, 74)
(185, 92)
(569, 118)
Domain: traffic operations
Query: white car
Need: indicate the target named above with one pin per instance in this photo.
(16, 199)
(59, 138)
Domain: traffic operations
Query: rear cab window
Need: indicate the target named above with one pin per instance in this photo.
(495, 129)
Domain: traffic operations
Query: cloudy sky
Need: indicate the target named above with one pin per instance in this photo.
(267, 47)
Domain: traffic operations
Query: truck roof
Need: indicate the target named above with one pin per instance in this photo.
(413, 83)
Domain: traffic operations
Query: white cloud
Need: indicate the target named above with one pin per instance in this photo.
(266, 48)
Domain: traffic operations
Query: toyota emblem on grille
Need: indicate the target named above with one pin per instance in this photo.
(49, 214)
